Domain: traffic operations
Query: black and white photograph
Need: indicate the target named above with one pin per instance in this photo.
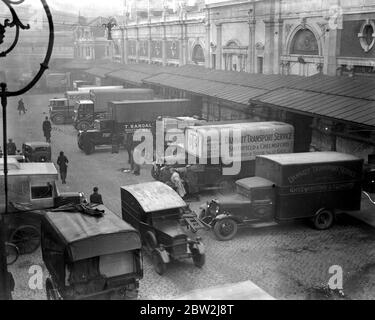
(187, 150)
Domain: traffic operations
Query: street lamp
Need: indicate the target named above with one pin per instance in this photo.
(5, 293)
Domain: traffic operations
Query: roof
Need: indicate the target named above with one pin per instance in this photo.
(86, 237)
(155, 196)
(258, 126)
(310, 157)
(323, 104)
(254, 182)
(224, 91)
(37, 143)
(149, 101)
(99, 71)
(134, 77)
(28, 169)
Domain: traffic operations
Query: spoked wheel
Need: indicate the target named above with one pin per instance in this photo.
(51, 291)
(324, 219)
(199, 259)
(159, 265)
(83, 126)
(225, 229)
(12, 253)
(26, 238)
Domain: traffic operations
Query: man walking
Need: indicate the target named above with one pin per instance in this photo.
(11, 148)
(47, 128)
(21, 107)
(96, 197)
(62, 162)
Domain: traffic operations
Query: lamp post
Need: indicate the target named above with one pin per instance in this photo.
(5, 293)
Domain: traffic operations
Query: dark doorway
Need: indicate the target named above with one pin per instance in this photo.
(260, 64)
(302, 131)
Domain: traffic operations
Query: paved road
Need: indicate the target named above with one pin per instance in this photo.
(289, 261)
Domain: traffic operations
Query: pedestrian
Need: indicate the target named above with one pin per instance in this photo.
(11, 148)
(178, 183)
(21, 107)
(96, 197)
(47, 128)
(62, 162)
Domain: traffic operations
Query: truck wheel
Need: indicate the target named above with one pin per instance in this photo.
(89, 148)
(58, 119)
(199, 259)
(26, 238)
(324, 219)
(225, 229)
(83, 126)
(159, 265)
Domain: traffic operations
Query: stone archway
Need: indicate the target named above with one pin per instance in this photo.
(235, 56)
(198, 54)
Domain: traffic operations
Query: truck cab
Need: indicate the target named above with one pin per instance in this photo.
(60, 110)
(83, 114)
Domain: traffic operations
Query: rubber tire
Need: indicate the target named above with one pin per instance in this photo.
(150, 241)
(198, 259)
(50, 290)
(159, 265)
(18, 238)
(89, 148)
(58, 119)
(11, 251)
(217, 229)
(83, 126)
(329, 219)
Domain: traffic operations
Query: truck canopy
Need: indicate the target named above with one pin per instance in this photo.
(101, 97)
(89, 88)
(256, 138)
(147, 110)
(28, 169)
(85, 237)
(309, 168)
(154, 196)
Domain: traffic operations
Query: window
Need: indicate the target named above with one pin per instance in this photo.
(304, 43)
(198, 54)
(41, 192)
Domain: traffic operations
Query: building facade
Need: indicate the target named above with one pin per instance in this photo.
(333, 37)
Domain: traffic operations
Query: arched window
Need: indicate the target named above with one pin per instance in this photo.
(304, 43)
(198, 54)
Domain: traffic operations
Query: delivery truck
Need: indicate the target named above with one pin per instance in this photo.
(61, 110)
(88, 111)
(126, 117)
(219, 154)
(314, 186)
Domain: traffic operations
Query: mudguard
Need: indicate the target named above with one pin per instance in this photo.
(225, 216)
(164, 255)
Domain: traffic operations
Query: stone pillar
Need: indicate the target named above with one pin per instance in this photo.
(278, 34)
(207, 48)
(331, 52)
(164, 51)
(126, 53)
(251, 50)
(219, 50)
(149, 45)
(269, 47)
(186, 52)
(137, 47)
(182, 52)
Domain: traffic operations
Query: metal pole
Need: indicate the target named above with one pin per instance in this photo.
(5, 293)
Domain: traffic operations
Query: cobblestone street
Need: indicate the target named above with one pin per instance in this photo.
(288, 261)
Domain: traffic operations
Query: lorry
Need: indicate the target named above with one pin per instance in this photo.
(88, 111)
(125, 117)
(315, 186)
(31, 190)
(61, 110)
(207, 165)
